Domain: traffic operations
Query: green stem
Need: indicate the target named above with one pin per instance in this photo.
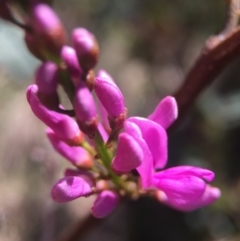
(106, 158)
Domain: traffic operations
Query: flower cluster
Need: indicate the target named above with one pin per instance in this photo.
(112, 156)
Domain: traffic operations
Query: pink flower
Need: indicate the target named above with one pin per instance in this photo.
(184, 187)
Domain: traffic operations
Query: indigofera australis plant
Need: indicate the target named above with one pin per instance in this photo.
(113, 156)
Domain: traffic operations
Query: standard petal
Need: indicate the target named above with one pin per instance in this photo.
(71, 187)
(129, 154)
(166, 112)
(77, 155)
(156, 138)
(105, 203)
(187, 170)
(181, 189)
(146, 168)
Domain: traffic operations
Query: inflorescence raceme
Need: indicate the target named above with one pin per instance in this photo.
(113, 156)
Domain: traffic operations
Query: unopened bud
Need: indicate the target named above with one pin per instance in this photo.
(86, 47)
(105, 203)
(69, 56)
(48, 28)
(85, 109)
(71, 187)
(46, 79)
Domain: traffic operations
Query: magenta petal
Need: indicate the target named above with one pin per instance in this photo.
(181, 189)
(77, 155)
(69, 56)
(64, 126)
(104, 117)
(156, 138)
(129, 154)
(105, 203)
(166, 112)
(110, 96)
(47, 78)
(71, 187)
(146, 168)
(187, 170)
(210, 195)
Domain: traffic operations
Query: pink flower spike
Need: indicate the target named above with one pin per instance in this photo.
(166, 112)
(146, 168)
(129, 154)
(46, 78)
(64, 126)
(71, 187)
(69, 56)
(210, 195)
(85, 109)
(86, 48)
(105, 203)
(77, 155)
(156, 138)
(110, 96)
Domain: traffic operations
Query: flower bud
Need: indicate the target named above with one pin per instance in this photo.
(64, 126)
(48, 28)
(77, 155)
(69, 56)
(86, 47)
(105, 203)
(112, 100)
(71, 187)
(85, 109)
(46, 79)
(129, 154)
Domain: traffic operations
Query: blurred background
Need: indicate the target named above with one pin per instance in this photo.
(147, 46)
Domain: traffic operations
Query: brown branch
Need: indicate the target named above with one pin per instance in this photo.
(217, 53)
